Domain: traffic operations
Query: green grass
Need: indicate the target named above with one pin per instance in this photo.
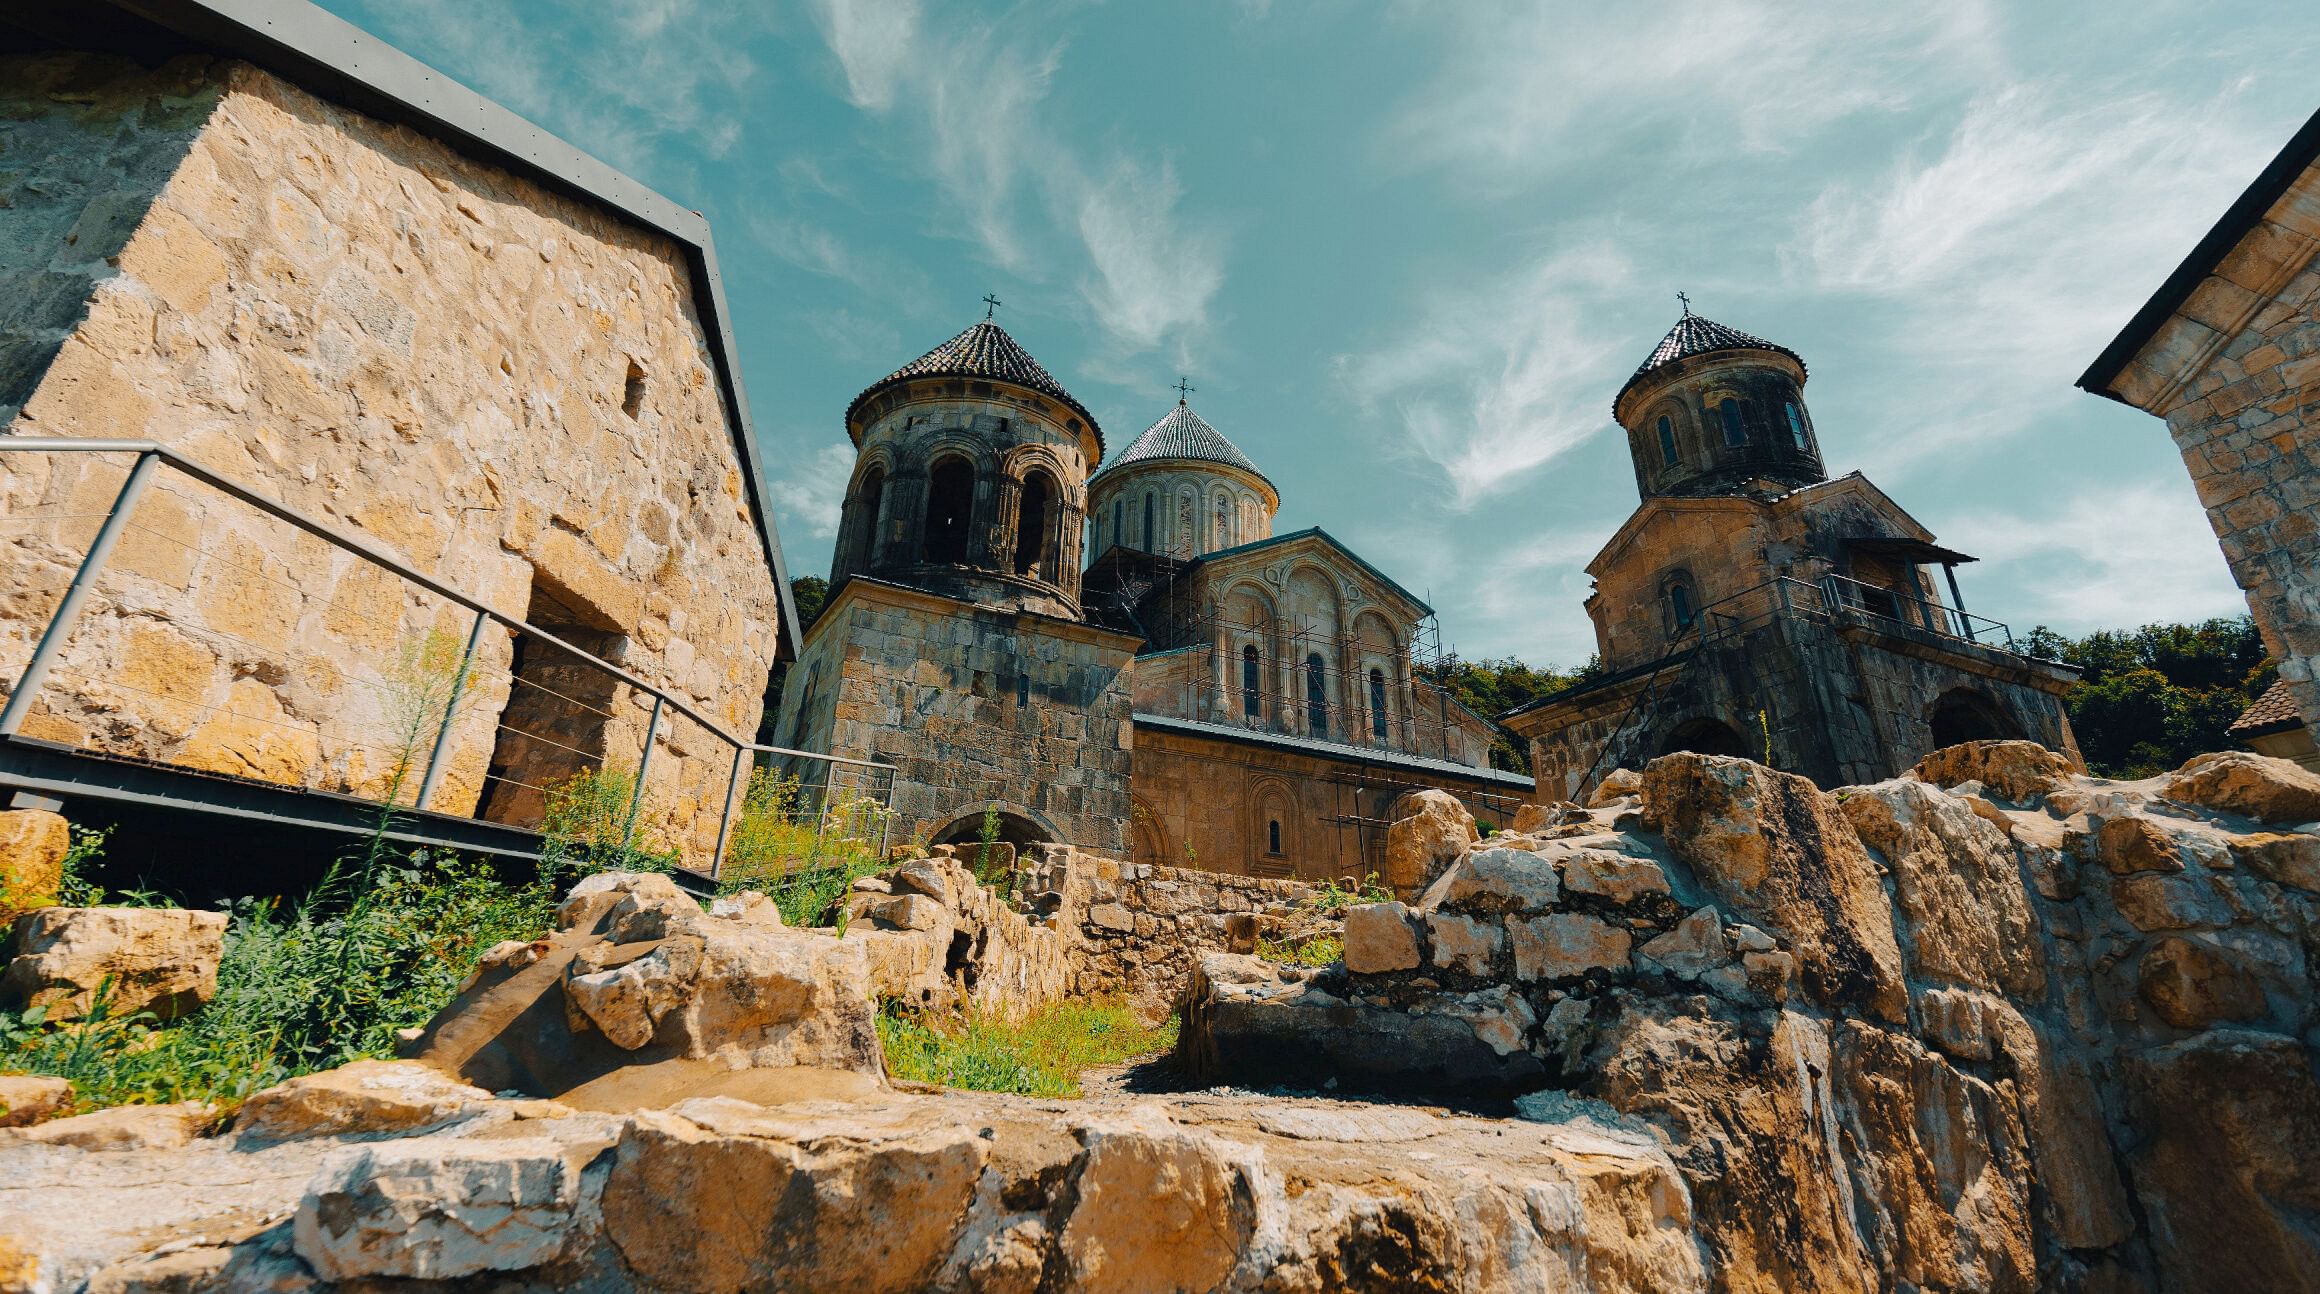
(1317, 950)
(1042, 1054)
(321, 984)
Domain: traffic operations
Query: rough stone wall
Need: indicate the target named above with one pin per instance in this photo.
(507, 389)
(977, 707)
(1138, 930)
(1838, 701)
(1208, 801)
(1989, 1026)
(98, 142)
(2236, 374)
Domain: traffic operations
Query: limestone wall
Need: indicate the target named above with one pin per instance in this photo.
(508, 389)
(2234, 372)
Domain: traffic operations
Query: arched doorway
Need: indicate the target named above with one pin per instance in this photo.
(1963, 715)
(1031, 519)
(950, 507)
(1705, 737)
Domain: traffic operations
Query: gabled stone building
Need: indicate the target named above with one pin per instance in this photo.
(2227, 351)
(1280, 707)
(305, 262)
(1753, 606)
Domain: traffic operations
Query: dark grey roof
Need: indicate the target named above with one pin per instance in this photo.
(1695, 335)
(1184, 434)
(335, 60)
(984, 351)
(1326, 749)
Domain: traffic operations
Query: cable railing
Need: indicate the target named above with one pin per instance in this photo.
(266, 644)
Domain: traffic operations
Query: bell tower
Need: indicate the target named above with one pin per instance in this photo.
(1713, 410)
(970, 478)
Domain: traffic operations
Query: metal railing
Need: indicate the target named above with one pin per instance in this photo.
(564, 689)
(1833, 596)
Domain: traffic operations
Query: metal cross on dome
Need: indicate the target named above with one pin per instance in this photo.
(1686, 298)
(991, 305)
(1184, 387)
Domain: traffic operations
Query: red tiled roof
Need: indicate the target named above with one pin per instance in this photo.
(2274, 711)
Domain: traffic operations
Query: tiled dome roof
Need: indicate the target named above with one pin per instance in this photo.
(983, 351)
(1185, 434)
(1695, 335)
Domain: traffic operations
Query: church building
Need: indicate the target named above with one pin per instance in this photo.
(1753, 606)
(1207, 693)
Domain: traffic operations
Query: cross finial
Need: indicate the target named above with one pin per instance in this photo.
(991, 305)
(1686, 298)
(1184, 387)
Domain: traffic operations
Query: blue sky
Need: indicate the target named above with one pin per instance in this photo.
(1408, 252)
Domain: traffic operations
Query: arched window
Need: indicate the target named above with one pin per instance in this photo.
(1680, 604)
(1316, 697)
(1667, 443)
(867, 500)
(1119, 514)
(1224, 537)
(1273, 836)
(1252, 677)
(1031, 510)
(1796, 424)
(1734, 433)
(1377, 704)
(1148, 545)
(950, 509)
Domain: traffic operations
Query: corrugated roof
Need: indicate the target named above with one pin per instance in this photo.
(1697, 335)
(1183, 434)
(2274, 711)
(982, 351)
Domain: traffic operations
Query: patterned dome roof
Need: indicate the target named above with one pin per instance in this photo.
(1184, 434)
(1696, 335)
(982, 351)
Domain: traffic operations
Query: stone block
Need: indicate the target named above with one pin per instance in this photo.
(33, 844)
(1465, 944)
(1693, 948)
(429, 1210)
(2134, 843)
(1566, 944)
(1613, 876)
(26, 1099)
(162, 960)
(1495, 881)
(2192, 985)
(1379, 937)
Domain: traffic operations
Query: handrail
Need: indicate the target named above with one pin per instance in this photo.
(63, 619)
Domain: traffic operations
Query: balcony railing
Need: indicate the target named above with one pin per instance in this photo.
(417, 696)
(1835, 597)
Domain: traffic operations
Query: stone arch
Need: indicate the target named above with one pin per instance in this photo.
(1251, 622)
(946, 528)
(1706, 736)
(1377, 668)
(1038, 518)
(1019, 826)
(1964, 714)
(1679, 602)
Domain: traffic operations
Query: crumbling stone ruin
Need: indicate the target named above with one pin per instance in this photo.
(1989, 1026)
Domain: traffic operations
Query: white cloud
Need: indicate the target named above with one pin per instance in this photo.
(810, 492)
(1492, 382)
(2127, 555)
(1528, 88)
(969, 94)
(1993, 268)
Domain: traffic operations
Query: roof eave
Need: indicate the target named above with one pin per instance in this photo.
(2245, 213)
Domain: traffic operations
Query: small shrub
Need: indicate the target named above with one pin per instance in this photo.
(1042, 1054)
(585, 825)
(1336, 897)
(1313, 950)
(805, 860)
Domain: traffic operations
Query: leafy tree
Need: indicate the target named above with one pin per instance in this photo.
(1494, 686)
(2150, 698)
(810, 592)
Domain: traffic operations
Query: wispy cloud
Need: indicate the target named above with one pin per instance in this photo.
(811, 491)
(1493, 381)
(969, 95)
(2113, 556)
(1993, 263)
(1528, 88)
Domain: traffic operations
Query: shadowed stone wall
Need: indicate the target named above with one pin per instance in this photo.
(506, 388)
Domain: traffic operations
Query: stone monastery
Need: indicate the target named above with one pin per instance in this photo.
(1207, 691)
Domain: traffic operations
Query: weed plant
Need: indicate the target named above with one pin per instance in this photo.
(584, 827)
(805, 859)
(1042, 1054)
(1317, 950)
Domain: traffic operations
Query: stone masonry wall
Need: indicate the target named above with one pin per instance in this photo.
(1138, 930)
(975, 706)
(508, 389)
(2236, 374)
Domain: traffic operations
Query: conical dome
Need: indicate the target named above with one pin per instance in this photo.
(1183, 434)
(1697, 335)
(983, 351)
